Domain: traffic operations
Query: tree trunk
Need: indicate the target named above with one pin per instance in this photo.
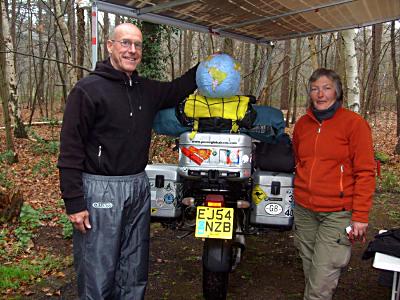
(246, 68)
(395, 82)
(10, 206)
(106, 30)
(170, 53)
(4, 102)
(80, 55)
(353, 91)
(187, 49)
(228, 46)
(264, 72)
(285, 82)
(313, 52)
(370, 105)
(256, 63)
(10, 78)
(66, 38)
(296, 79)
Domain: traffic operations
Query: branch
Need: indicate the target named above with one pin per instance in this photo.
(49, 59)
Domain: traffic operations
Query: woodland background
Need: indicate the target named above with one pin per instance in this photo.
(45, 47)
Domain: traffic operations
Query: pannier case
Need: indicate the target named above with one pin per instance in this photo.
(272, 199)
(226, 154)
(165, 190)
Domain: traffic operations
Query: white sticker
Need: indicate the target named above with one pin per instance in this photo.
(245, 159)
(153, 195)
(273, 209)
(160, 202)
(288, 210)
(289, 196)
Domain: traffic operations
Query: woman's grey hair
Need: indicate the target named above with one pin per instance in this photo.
(332, 75)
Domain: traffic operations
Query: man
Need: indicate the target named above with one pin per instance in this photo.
(104, 148)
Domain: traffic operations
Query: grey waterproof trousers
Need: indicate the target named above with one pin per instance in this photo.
(111, 258)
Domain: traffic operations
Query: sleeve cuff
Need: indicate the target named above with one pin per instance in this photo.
(75, 205)
(359, 216)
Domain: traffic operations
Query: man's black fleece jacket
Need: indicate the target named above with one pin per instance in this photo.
(107, 125)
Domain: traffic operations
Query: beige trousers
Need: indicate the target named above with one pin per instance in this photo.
(324, 249)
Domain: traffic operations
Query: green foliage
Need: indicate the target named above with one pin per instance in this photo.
(382, 157)
(389, 182)
(395, 215)
(3, 234)
(42, 146)
(4, 178)
(29, 220)
(7, 157)
(43, 167)
(153, 64)
(25, 271)
(66, 225)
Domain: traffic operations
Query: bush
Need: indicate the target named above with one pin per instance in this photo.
(66, 225)
(7, 157)
(29, 220)
(42, 146)
(382, 157)
(389, 182)
(43, 167)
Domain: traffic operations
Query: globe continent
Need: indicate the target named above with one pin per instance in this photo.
(218, 76)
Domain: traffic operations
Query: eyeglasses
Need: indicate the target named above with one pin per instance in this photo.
(128, 44)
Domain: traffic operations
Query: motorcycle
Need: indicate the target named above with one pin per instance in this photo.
(216, 193)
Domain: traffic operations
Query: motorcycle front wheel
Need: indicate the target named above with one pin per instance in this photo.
(215, 284)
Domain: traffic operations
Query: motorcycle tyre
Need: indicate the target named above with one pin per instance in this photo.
(215, 284)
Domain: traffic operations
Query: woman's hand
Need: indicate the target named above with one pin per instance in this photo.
(359, 231)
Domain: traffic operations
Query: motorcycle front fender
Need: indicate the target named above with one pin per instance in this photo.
(217, 255)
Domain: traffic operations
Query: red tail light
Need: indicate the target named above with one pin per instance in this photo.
(214, 201)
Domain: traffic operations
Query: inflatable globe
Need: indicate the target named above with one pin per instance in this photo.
(218, 76)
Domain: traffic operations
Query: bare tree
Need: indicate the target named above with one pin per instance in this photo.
(66, 38)
(295, 85)
(80, 55)
(395, 74)
(10, 77)
(4, 96)
(371, 99)
(353, 91)
(313, 52)
(286, 76)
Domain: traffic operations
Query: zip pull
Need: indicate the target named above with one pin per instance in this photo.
(99, 154)
(130, 82)
(130, 114)
(341, 194)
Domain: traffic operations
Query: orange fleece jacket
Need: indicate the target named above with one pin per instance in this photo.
(335, 166)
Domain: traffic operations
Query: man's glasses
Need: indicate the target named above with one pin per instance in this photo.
(128, 44)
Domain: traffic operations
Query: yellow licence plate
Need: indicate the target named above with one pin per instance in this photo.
(214, 222)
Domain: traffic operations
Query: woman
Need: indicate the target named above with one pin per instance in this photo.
(334, 183)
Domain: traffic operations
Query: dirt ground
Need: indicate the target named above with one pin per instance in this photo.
(270, 268)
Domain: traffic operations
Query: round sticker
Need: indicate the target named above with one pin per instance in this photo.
(273, 209)
(169, 198)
